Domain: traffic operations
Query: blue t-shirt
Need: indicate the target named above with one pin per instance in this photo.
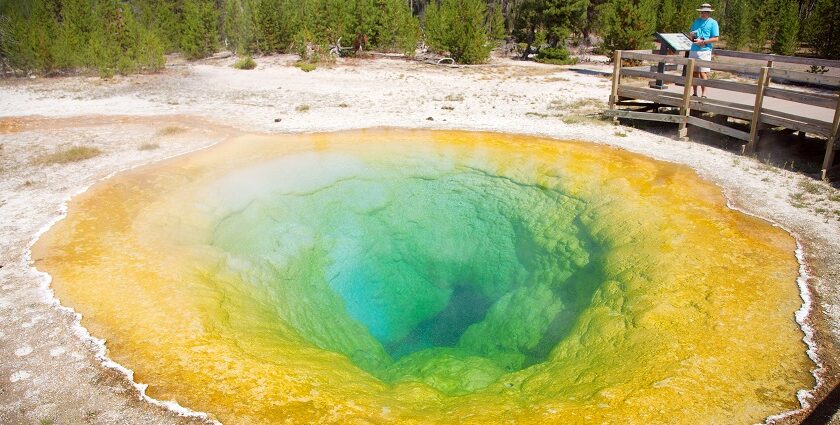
(706, 29)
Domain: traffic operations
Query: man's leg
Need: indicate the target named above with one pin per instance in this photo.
(695, 86)
(703, 76)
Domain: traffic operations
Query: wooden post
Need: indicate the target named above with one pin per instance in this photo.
(829, 144)
(616, 78)
(755, 123)
(770, 65)
(660, 67)
(685, 109)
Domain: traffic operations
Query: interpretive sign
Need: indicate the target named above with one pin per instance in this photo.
(676, 41)
(669, 43)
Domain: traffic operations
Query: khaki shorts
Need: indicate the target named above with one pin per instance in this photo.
(705, 55)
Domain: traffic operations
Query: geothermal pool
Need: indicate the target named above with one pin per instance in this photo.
(395, 276)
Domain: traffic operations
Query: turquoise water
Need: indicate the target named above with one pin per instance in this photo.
(420, 273)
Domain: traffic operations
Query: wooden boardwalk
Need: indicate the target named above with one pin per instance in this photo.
(757, 101)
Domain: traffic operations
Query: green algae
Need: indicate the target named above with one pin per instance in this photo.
(449, 277)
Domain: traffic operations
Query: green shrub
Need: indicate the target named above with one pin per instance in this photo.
(555, 56)
(457, 27)
(245, 63)
(306, 66)
(553, 53)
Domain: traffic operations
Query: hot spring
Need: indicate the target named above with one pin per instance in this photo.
(390, 276)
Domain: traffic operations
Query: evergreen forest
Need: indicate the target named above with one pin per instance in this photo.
(127, 36)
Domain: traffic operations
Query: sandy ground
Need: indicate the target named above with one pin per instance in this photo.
(52, 372)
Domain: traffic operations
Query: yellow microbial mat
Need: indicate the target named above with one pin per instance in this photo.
(396, 276)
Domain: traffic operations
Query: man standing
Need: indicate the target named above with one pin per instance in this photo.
(704, 32)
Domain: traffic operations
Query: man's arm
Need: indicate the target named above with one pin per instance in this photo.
(705, 42)
(714, 35)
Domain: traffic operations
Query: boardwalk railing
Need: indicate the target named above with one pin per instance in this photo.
(799, 114)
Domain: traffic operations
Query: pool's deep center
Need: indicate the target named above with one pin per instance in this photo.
(418, 276)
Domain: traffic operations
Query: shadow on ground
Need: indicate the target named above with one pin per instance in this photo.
(779, 148)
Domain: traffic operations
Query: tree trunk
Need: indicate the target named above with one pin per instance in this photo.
(532, 32)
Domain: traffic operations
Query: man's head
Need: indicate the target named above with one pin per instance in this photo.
(705, 10)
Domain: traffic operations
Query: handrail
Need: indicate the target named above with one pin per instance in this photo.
(805, 77)
(646, 55)
(791, 75)
(671, 78)
(778, 58)
(729, 67)
(728, 85)
(814, 99)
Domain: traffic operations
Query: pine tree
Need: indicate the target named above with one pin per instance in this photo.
(686, 13)
(628, 24)
(120, 43)
(761, 30)
(199, 36)
(668, 20)
(236, 31)
(162, 18)
(15, 41)
(271, 30)
(786, 34)
(737, 24)
(458, 27)
(496, 23)
(72, 45)
(549, 20)
(43, 31)
(824, 29)
(394, 27)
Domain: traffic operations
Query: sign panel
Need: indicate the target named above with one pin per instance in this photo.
(676, 41)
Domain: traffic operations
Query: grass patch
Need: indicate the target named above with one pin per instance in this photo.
(447, 107)
(148, 146)
(245, 63)
(582, 119)
(810, 187)
(768, 167)
(306, 66)
(537, 114)
(577, 110)
(455, 98)
(74, 154)
(587, 103)
(834, 198)
(568, 61)
(171, 130)
(620, 134)
(46, 421)
(798, 200)
(302, 108)
(343, 105)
